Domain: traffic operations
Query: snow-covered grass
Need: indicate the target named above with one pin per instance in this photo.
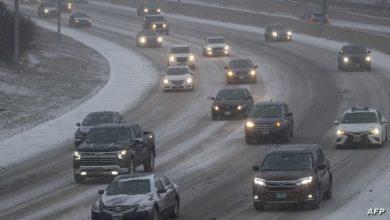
(131, 78)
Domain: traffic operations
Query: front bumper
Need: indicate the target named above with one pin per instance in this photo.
(217, 52)
(358, 138)
(281, 38)
(228, 111)
(178, 85)
(82, 24)
(106, 214)
(182, 61)
(356, 64)
(150, 43)
(295, 195)
(241, 78)
(266, 132)
(100, 170)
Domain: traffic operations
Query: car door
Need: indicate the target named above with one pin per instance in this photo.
(249, 101)
(170, 190)
(163, 198)
(143, 143)
(287, 116)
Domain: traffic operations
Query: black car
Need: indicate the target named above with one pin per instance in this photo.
(278, 32)
(113, 149)
(47, 10)
(231, 102)
(241, 70)
(354, 57)
(269, 120)
(156, 23)
(149, 38)
(65, 5)
(148, 9)
(293, 174)
(138, 196)
(80, 20)
(93, 119)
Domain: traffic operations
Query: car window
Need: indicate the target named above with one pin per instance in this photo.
(108, 135)
(158, 184)
(178, 71)
(137, 132)
(241, 64)
(359, 117)
(321, 157)
(128, 187)
(175, 50)
(165, 181)
(287, 162)
(230, 95)
(217, 40)
(267, 111)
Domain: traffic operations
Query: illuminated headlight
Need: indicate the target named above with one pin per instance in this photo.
(209, 48)
(278, 124)
(159, 39)
(171, 58)
(146, 10)
(142, 40)
(274, 34)
(239, 107)
(375, 131)
(346, 59)
(189, 80)
(164, 25)
(226, 47)
(192, 58)
(158, 10)
(166, 81)
(77, 155)
(122, 154)
(46, 10)
(114, 173)
(339, 132)
(77, 21)
(250, 124)
(154, 26)
(230, 73)
(83, 173)
(90, 21)
(289, 33)
(69, 5)
(368, 58)
(96, 207)
(305, 181)
(253, 72)
(260, 182)
(216, 108)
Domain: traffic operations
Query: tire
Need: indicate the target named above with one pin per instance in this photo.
(266, 39)
(78, 178)
(259, 206)
(176, 209)
(286, 138)
(339, 146)
(149, 164)
(317, 201)
(248, 140)
(369, 67)
(156, 215)
(328, 194)
(131, 167)
(214, 117)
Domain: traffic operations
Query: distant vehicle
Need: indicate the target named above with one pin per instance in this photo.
(149, 38)
(156, 23)
(216, 46)
(181, 55)
(278, 32)
(320, 18)
(47, 10)
(178, 78)
(113, 149)
(272, 120)
(80, 20)
(148, 9)
(65, 5)
(231, 102)
(361, 126)
(354, 57)
(138, 196)
(299, 174)
(241, 70)
(93, 119)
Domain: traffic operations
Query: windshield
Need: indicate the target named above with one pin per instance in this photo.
(180, 50)
(287, 162)
(241, 64)
(359, 117)
(267, 111)
(107, 135)
(154, 18)
(318, 15)
(97, 119)
(81, 15)
(177, 71)
(230, 95)
(130, 187)
(219, 40)
(279, 27)
(355, 50)
(148, 33)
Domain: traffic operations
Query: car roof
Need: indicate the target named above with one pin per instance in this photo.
(103, 113)
(114, 125)
(269, 103)
(214, 37)
(180, 45)
(361, 109)
(149, 176)
(354, 45)
(149, 16)
(239, 60)
(295, 148)
(232, 89)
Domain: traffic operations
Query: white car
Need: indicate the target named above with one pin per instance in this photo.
(181, 55)
(361, 126)
(178, 78)
(216, 46)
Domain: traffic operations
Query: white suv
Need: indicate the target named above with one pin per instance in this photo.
(181, 55)
(361, 126)
(178, 78)
(216, 46)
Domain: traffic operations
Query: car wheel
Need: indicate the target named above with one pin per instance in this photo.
(259, 206)
(156, 215)
(213, 117)
(248, 140)
(328, 194)
(149, 164)
(369, 67)
(78, 178)
(317, 199)
(131, 166)
(176, 208)
(287, 137)
(338, 146)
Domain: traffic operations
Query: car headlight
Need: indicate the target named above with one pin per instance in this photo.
(339, 132)
(158, 10)
(159, 39)
(154, 26)
(226, 47)
(346, 59)
(278, 124)
(230, 73)
(69, 5)
(259, 181)
(172, 58)
(368, 58)
(375, 131)
(209, 48)
(90, 21)
(250, 124)
(122, 154)
(77, 21)
(145, 207)
(164, 25)
(46, 10)
(216, 108)
(253, 72)
(289, 33)
(166, 81)
(95, 206)
(192, 58)
(77, 155)
(305, 181)
(189, 80)
(142, 40)
(275, 34)
(239, 107)
(146, 10)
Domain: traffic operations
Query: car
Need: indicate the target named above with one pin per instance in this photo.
(149, 38)
(354, 57)
(138, 196)
(178, 78)
(65, 5)
(148, 9)
(269, 120)
(361, 126)
(47, 10)
(93, 119)
(320, 18)
(181, 55)
(278, 32)
(231, 102)
(241, 70)
(113, 149)
(298, 174)
(156, 23)
(80, 20)
(216, 46)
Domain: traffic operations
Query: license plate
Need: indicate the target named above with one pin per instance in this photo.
(357, 65)
(357, 139)
(241, 77)
(228, 113)
(265, 132)
(281, 195)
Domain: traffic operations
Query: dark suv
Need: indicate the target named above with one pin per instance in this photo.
(156, 23)
(354, 57)
(271, 120)
(278, 32)
(231, 102)
(298, 174)
(241, 70)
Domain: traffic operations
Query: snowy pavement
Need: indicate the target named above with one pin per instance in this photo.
(131, 78)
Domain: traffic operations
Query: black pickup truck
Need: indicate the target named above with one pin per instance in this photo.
(113, 149)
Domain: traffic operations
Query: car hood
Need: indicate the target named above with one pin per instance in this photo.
(85, 129)
(51, 8)
(82, 18)
(284, 175)
(181, 54)
(363, 55)
(178, 77)
(216, 45)
(241, 70)
(229, 102)
(358, 127)
(125, 200)
(90, 147)
(158, 22)
(265, 121)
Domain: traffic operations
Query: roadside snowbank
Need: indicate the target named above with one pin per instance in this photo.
(131, 77)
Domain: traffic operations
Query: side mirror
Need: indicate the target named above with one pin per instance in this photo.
(255, 66)
(321, 166)
(211, 98)
(161, 191)
(289, 114)
(138, 140)
(336, 122)
(256, 168)
(383, 121)
(100, 192)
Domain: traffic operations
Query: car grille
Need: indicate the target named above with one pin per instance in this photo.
(281, 185)
(357, 60)
(362, 135)
(264, 127)
(119, 209)
(218, 49)
(181, 59)
(177, 82)
(99, 159)
(228, 107)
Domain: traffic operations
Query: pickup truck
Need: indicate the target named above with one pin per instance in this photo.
(113, 149)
